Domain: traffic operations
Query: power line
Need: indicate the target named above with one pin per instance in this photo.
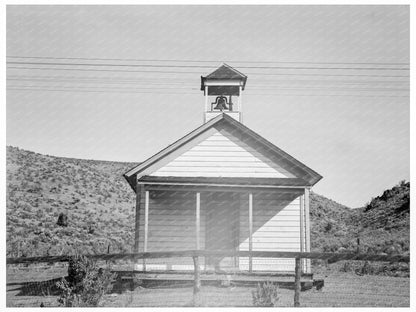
(191, 88)
(255, 88)
(203, 61)
(110, 70)
(99, 91)
(172, 83)
(184, 93)
(334, 95)
(203, 66)
(197, 73)
(329, 89)
(145, 79)
(102, 81)
(118, 87)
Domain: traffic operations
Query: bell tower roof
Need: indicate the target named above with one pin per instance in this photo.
(224, 72)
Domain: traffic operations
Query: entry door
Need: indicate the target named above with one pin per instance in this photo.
(222, 224)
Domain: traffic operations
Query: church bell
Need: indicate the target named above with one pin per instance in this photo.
(221, 103)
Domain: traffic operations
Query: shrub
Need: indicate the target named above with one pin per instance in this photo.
(367, 268)
(328, 227)
(347, 266)
(62, 220)
(265, 295)
(91, 230)
(86, 283)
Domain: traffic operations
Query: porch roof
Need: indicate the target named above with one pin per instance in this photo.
(284, 182)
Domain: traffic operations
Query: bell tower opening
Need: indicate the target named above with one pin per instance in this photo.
(223, 93)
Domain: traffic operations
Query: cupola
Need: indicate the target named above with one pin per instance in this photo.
(223, 93)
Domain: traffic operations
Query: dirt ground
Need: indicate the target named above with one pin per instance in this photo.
(28, 287)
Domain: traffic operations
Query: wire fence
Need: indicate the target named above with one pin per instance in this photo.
(185, 278)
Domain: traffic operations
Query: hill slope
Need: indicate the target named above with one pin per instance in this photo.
(100, 209)
(94, 195)
(383, 225)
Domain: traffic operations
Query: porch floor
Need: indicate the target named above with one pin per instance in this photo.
(222, 279)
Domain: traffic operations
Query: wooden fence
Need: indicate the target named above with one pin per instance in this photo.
(195, 254)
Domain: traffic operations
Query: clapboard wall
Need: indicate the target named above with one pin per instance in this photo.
(276, 227)
(222, 154)
(171, 227)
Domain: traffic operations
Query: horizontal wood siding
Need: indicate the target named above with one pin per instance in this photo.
(276, 227)
(222, 155)
(172, 227)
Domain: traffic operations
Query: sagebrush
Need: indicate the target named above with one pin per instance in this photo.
(86, 283)
(265, 295)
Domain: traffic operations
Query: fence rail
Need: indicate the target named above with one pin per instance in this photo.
(195, 254)
(331, 257)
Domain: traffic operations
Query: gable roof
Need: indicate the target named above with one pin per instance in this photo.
(307, 176)
(225, 71)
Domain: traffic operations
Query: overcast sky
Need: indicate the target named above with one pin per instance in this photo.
(346, 115)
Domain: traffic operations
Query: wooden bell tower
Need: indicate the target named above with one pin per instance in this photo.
(223, 93)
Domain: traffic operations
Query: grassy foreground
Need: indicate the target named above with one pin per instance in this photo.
(341, 290)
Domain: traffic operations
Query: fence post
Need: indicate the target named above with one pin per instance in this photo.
(108, 252)
(298, 269)
(197, 279)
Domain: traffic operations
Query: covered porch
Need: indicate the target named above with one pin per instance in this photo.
(227, 216)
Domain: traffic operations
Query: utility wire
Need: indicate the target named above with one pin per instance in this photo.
(191, 88)
(201, 61)
(196, 73)
(98, 91)
(203, 66)
(276, 83)
(119, 79)
(118, 87)
(183, 93)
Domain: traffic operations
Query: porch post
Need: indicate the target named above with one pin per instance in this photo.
(302, 229)
(137, 221)
(206, 103)
(250, 230)
(307, 230)
(146, 226)
(198, 220)
(240, 103)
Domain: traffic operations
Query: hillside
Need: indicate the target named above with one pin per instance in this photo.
(383, 225)
(332, 225)
(94, 195)
(100, 209)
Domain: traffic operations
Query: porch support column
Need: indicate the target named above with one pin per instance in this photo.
(302, 229)
(250, 231)
(307, 229)
(240, 102)
(137, 221)
(206, 103)
(198, 220)
(146, 225)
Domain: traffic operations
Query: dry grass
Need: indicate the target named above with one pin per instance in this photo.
(341, 290)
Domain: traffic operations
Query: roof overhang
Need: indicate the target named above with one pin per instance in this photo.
(225, 75)
(226, 181)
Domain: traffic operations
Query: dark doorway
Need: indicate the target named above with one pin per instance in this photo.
(222, 228)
